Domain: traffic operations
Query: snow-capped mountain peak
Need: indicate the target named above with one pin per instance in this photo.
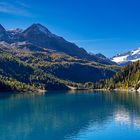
(126, 58)
(137, 51)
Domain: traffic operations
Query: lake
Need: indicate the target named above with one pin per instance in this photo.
(70, 115)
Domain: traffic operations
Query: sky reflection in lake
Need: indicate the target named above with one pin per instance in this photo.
(62, 115)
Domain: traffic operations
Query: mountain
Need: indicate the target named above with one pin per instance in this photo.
(128, 78)
(4, 35)
(37, 59)
(103, 57)
(23, 70)
(40, 37)
(127, 58)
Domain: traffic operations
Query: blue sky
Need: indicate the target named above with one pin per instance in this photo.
(105, 26)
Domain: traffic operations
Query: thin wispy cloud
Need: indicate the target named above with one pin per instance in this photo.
(93, 40)
(22, 4)
(14, 9)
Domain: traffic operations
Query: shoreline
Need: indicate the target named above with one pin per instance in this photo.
(40, 91)
(120, 90)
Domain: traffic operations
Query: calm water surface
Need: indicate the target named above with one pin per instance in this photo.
(70, 116)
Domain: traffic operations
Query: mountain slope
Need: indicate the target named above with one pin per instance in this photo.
(79, 72)
(127, 78)
(40, 37)
(127, 58)
(47, 70)
(19, 76)
(4, 36)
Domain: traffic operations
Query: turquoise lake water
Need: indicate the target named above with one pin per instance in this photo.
(70, 116)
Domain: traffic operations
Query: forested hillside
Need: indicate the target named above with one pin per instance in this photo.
(26, 70)
(127, 78)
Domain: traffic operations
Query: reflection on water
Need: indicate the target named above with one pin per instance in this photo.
(57, 116)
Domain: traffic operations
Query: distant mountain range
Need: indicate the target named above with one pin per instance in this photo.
(38, 37)
(127, 58)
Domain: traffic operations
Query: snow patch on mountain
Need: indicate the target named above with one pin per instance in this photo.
(15, 31)
(128, 57)
(120, 59)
